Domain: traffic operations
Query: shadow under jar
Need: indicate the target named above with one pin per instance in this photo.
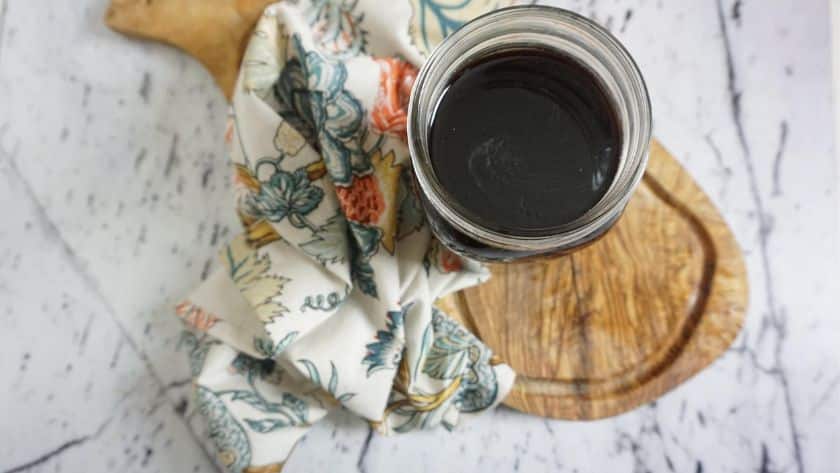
(528, 130)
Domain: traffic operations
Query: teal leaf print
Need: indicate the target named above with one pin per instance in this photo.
(228, 435)
(284, 343)
(312, 371)
(479, 390)
(456, 352)
(367, 236)
(338, 121)
(333, 379)
(267, 348)
(292, 410)
(361, 272)
(322, 302)
(329, 242)
(257, 368)
(292, 94)
(197, 347)
(289, 195)
(410, 216)
(425, 344)
(310, 93)
(252, 399)
(311, 98)
(332, 384)
(264, 346)
(386, 352)
(413, 421)
(367, 243)
(345, 115)
(326, 78)
(345, 397)
(447, 358)
(336, 27)
(427, 261)
(265, 426)
(435, 10)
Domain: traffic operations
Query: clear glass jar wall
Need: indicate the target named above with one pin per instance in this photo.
(544, 28)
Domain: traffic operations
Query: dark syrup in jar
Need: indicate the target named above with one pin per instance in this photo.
(523, 142)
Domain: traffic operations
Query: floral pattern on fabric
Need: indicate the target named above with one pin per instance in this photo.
(288, 411)
(410, 217)
(371, 200)
(386, 351)
(457, 354)
(197, 348)
(442, 258)
(281, 196)
(312, 99)
(389, 114)
(323, 301)
(195, 316)
(433, 20)
(269, 349)
(366, 244)
(234, 449)
(287, 195)
(337, 27)
(249, 270)
(331, 386)
(329, 243)
(448, 353)
(362, 200)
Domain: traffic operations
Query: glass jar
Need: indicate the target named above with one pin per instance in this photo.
(518, 28)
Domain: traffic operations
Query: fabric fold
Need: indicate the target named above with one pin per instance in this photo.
(326, 299)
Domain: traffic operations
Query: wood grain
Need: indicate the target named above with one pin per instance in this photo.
(213, 31)
(621, 322)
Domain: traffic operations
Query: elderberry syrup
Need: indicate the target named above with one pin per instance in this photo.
(529, 129)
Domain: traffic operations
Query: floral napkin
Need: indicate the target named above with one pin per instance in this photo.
(326, 299)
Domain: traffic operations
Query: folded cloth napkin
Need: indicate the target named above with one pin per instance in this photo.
(326, 299)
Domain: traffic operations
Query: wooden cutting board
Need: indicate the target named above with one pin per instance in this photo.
(623, 321)
(592, 334)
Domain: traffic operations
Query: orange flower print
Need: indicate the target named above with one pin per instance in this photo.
(449, 261)
(362, 201)
(389, 113)
(196, 316)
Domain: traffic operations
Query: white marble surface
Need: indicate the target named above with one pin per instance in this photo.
(114, 194)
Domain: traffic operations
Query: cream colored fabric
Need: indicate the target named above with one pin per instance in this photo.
(326, 299)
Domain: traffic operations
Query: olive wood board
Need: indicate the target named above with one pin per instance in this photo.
(591, 334)
(624, 320)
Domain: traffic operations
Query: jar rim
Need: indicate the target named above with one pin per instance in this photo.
(543, 26)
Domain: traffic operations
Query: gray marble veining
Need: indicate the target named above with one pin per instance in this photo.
(115, 196)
